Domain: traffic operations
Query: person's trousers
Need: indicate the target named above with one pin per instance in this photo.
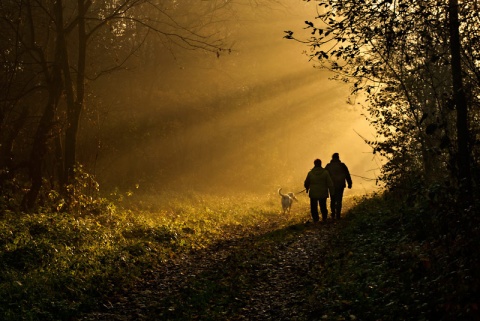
(336, 202)
(314, 203)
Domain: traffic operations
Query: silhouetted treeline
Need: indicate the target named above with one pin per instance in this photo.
(417, 65)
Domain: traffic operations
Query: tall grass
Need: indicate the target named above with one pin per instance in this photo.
(56, 265)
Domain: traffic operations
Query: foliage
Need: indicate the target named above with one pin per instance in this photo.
(400, 57)
(397, 55)
(55, 265)
(385, 263)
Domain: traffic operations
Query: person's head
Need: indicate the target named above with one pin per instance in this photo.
(317, 163)
(335, 156)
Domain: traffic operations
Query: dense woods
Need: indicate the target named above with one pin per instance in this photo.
(52, 55)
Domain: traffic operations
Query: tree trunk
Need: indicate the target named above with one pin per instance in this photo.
(463, 159)
(37, 156)
(75, 104)
(43, 133)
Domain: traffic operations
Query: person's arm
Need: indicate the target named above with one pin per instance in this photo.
(347, 176)
(306, 184)
(331, 188)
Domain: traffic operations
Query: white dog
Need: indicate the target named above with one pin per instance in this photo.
(287, 200)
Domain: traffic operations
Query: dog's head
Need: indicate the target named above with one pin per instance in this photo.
(292, 196)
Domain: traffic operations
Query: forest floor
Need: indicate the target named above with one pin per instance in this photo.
(366, 266)
(199, 262)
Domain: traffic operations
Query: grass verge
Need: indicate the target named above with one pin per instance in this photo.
(54, 266)
(373, 265)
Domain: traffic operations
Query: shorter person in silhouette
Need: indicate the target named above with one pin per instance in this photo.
(318, 184)
(339, 173)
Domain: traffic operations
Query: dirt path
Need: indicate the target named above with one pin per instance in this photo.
(281, 290)
(257, 277)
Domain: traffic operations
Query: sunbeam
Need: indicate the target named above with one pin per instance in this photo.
(252, 120)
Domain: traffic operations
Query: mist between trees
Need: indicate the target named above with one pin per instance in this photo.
(97, 91)
(84, 81)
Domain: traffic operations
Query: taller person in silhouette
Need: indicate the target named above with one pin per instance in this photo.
(341, 177)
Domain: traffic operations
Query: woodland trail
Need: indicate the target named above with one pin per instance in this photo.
(267, 275)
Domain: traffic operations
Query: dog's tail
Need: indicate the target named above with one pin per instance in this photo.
(280, 192)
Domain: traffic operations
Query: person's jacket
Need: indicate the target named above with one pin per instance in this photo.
(318, 183)
(339, 173)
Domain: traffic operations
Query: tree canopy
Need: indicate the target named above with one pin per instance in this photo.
(414, 67)
(416, 64)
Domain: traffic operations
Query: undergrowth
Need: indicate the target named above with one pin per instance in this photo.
(382, 265)
(56, 265)
(384, 261)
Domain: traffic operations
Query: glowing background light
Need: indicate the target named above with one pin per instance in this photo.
(251, 120)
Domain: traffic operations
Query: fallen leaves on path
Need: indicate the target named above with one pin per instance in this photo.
(263, 276)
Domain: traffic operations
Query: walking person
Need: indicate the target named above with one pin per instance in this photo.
(318, 184)
(341, 177)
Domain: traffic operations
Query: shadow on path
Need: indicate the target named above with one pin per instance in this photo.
(263, 277)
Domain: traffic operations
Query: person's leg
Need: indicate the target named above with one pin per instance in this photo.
(314, 209)
(338, 205)
(323, 208)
